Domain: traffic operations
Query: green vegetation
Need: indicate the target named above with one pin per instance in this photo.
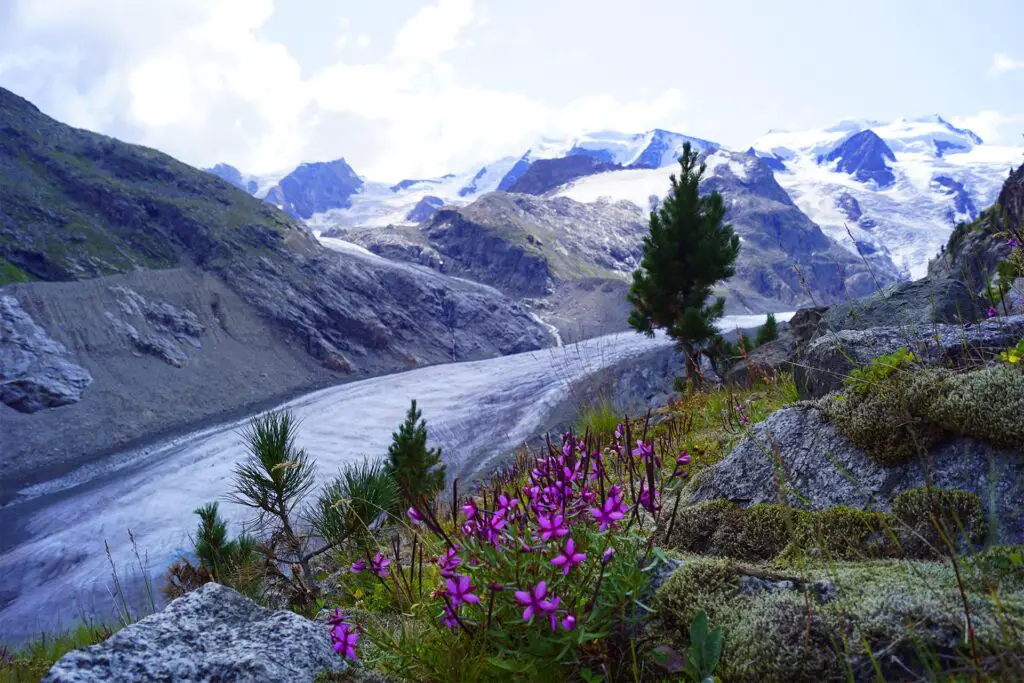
(688, 250)
(10, 273)
(415, 468)
(768, 332)
(600, 417)
(86, 205)
(29, 664)
(348, 505)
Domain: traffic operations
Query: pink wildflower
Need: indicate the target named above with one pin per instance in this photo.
(568, 558)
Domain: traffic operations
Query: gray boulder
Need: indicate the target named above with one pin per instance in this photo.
(916, 304)
(211, 634)
(819, 469)
(34, 370)
(830, 357)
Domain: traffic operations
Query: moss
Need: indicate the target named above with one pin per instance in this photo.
(783, 633)
(928, 520)
(694, 528)
(757, 533)
(703, 583)
(986, 404)
(906, 413)
(843, 533)
(884, 421)
(781, 640)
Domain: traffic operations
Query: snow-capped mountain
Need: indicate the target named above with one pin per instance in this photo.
(899, 187)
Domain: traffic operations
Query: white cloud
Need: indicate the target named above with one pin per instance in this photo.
(991, 125)
(433, 31)
(199, 80)
(1002, 62)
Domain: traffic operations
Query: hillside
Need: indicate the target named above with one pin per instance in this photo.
(141, 296)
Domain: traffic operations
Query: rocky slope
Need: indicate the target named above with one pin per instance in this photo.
(183, 298)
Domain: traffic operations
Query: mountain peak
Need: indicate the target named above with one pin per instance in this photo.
(863, 155)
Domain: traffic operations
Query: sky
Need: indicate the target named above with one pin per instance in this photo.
(414, 88)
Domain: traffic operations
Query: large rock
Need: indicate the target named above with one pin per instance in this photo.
(35, 372)
(916, 304)
(818, 468)
(829, 358)
(211, 634)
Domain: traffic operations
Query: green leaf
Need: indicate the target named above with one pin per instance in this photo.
(711, 650)
(699, 629)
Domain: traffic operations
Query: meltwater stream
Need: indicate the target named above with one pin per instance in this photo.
(53, 568)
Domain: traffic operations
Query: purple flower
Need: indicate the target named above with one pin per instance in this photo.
(992, 311)
(469, 509)
(620, 430)
(358, 566)
(552, 616)
(612, 511)
(380, 565)
(337, 618)
(449, 618)
(551, 527)
(459, 590)
(569, 622)
(607, 555)
(646, 501)
(449, 562)
(533, 600)
(414, 515)
(569, 558)
(345, 639)
(1013, 243)
(506, 504)
(494, 526)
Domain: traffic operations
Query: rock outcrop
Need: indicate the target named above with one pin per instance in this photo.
(210, 634)
(35, 372)
(797, 455)
(827, 361)
(916, 304)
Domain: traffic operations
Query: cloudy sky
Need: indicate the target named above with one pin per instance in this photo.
(407, 88)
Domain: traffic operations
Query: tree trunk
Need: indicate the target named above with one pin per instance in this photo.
(692, 364)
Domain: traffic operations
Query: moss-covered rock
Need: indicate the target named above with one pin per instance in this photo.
(693, 530)
(884, 419)
(758, 532)
(842, 533)
(929, 520)
(883, 613)
(987, 404)
(908, 412)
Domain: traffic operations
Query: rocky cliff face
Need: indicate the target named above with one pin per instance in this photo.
(316, 187)
(865, 156)
(544, 175)
(184, 298)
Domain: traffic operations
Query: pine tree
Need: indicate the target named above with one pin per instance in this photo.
(416, 469)
(687, 251)
(769, 331)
